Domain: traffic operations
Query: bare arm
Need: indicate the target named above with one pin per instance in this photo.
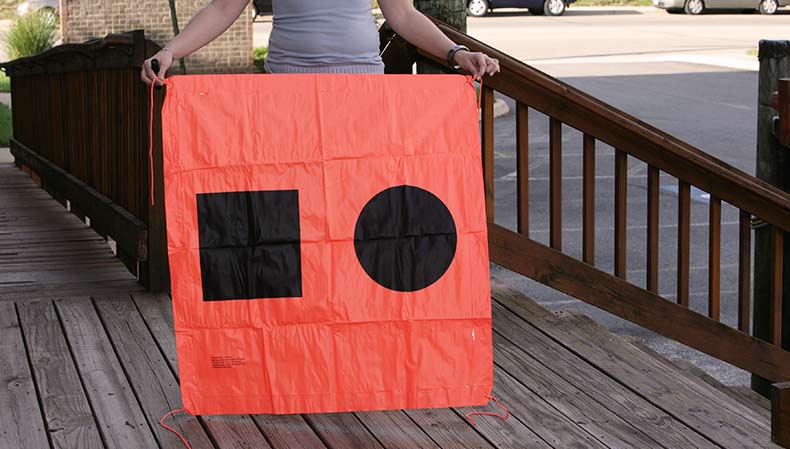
(413, 26)
(205, 26)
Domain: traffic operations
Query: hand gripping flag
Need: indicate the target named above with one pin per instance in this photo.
(327, 242)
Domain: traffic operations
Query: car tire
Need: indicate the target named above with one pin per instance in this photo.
(768, 7)
(477, 8)
(694, 7)
(536, 11)
(554, 7)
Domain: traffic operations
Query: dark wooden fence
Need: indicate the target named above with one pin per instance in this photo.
(81, 120)
(632, 139)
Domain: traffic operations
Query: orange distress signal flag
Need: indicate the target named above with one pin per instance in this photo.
(327, 242)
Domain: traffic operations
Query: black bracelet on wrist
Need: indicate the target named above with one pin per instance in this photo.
(451, 55)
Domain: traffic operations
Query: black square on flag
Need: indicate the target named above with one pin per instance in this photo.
(250, 245)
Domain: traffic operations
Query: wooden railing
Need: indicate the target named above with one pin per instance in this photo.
(632, 139)
(780, 101)
(80, 117)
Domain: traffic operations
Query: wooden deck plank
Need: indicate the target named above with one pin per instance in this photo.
(544, 420)
(504, 434)
(342, 431)
(65, 406)
(607, 427)
(234, 431)
(23, 292)
(120, 418)
(288, 432)
(708, 411)
(154, 384)
(157, 311)
(395, 430)
(656, 423)
(701, 376)
(77, 274)
(21, 423)
(447, 429)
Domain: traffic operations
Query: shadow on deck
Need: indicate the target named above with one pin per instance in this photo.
(87, 360)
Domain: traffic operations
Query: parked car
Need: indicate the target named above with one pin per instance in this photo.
(35, 5)
(479, 8)
(699, 6)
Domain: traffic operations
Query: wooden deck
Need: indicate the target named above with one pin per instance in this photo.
(87, 360)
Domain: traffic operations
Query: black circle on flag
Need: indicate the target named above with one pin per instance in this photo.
(405, 238)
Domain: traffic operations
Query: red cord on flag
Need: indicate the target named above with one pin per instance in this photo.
(496, 415)
(480, 95)
(162, 423)
(151, 138)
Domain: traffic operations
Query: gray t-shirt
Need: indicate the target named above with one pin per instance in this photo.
(334, 36)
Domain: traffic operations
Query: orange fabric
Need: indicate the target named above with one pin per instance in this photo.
(346, 343)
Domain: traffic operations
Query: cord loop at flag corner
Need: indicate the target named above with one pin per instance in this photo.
(503, 417)
(178, 434)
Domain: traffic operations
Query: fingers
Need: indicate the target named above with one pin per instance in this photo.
(148, 76)
(480, 64)
(492, 66)
(479, 61)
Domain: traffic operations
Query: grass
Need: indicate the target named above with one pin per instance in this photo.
(259, 56)
(5, 125)
(31, 34)
(5, 82)
(613, 3)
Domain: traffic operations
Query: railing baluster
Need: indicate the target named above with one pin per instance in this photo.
(714, 258)
(522, 167)
(744, 271)
(555, 181)
(684, 242)
(487, 104)
(620, 204)
(652, 228)
(588, 208)
(777, 267)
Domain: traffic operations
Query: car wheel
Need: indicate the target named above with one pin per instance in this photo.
(536, 11)
(768, 6)
(554, 7)
(694, 7)
(477, 8)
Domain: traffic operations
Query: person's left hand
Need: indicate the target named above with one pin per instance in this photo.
(476, 63)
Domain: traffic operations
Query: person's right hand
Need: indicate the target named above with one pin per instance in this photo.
(165, 57)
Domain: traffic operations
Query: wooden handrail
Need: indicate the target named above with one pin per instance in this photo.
(629, 134)
(112, 51)
(630, 137)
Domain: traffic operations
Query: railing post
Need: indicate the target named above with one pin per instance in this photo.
(773, 164)
(452, 12)
(780, 414)
(155, 272)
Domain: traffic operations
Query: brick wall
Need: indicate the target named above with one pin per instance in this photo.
(88, 19)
